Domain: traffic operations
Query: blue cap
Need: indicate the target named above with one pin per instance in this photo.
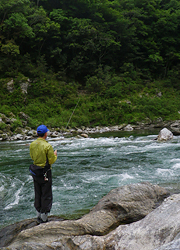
(42, 129)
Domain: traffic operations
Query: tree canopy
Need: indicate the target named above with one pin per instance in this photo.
(108, 48)
(77, 37)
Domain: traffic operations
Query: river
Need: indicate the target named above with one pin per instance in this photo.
(85, 171)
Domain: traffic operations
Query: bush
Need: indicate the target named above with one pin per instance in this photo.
(16, 124)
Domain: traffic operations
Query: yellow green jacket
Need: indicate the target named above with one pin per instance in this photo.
(40, 149)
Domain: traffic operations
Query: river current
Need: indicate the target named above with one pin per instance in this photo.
(85, 171)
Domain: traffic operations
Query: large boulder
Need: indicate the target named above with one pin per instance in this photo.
(159, 230)
(122, 205)
(165, 135)
(160, 227)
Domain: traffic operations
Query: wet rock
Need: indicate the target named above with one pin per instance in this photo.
(165, 135)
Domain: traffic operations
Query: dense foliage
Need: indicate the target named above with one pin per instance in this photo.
(118, 60)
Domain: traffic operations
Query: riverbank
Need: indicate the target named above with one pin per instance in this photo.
(27, 133)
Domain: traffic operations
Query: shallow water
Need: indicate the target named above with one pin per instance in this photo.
(85, 171)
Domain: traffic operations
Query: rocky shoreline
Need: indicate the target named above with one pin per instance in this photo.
(26, 133)
(139, 216)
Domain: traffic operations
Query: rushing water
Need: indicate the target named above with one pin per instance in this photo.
(85, 171)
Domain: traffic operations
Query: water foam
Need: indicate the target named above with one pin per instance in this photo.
(16, 200)
(176, 166)
(126, 176)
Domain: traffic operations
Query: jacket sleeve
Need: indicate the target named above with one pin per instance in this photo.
(51, 156)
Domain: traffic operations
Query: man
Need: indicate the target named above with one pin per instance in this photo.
(43, 156)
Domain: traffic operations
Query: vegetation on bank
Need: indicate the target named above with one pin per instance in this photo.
(89, 63)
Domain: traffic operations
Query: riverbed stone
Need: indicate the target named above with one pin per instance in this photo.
(19, 137)
(84, 135)
(122, 205)
(128, 128)
(32, 133)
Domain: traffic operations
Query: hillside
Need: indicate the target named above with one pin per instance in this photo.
(89, 63)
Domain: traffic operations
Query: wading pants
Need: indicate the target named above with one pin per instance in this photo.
(43, 193)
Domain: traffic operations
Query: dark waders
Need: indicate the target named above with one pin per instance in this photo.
(43, 193)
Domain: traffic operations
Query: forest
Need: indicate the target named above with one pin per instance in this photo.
(109, 61)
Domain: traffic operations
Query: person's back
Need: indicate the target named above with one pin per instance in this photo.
(40, 150)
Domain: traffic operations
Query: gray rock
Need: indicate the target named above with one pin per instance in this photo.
(24, 87)
(165, 135)
(175, 124)
(84, 135)
(122, 205)
(10, 86)
(115, 128)
(18, 137)
(174, 245)
(79, 130)
(159, 94)
(32, 133)
(158, 228)
(175, 127)
(128, 128)
(54, 134)
(10, 232)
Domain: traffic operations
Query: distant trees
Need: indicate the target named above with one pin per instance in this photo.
(134, 38)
